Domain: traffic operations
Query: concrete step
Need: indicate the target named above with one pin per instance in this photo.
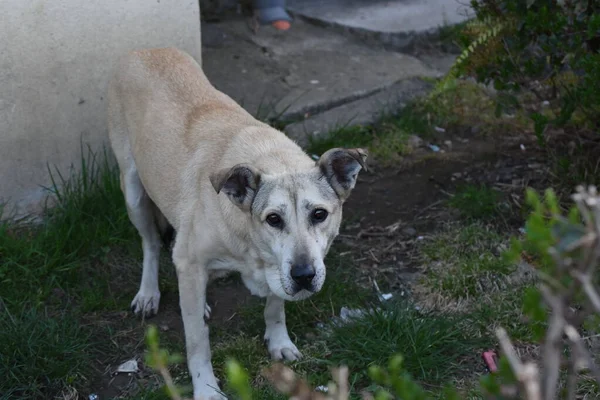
(397, 24)
(307, 69)
(362, 112)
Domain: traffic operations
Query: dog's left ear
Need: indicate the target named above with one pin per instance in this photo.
(239, 183)
(341, 167)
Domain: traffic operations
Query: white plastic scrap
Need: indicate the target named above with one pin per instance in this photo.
(128, 367)
(434, 148)
(381, 296)
(322, 388)
(93, 396)
(440, 130)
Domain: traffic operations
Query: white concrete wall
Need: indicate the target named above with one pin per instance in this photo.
(56, 57)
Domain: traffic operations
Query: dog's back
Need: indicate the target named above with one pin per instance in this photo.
(154, 99)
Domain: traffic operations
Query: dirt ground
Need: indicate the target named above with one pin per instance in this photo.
(390, 210)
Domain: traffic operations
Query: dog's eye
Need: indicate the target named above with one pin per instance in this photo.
(274, 220)
(319, 215)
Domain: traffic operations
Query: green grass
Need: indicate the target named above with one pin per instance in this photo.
(54, 271)
(87, 219)
(466, 261)
(386, 141)
(434, 345)
(476, 202)
(41, 353)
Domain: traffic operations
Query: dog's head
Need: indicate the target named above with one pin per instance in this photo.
(295, 216)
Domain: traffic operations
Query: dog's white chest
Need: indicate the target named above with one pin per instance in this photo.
(253, 273)
(256, 282)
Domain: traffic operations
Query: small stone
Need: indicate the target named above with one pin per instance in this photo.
(409, 231)
(415, 142)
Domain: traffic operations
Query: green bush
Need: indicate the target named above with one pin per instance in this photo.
(548, 49)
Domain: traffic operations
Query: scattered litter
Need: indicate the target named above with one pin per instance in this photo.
(128, 367)
(382, 296)
(522, 147)
(420, 238)
(322, 388)
(489, 358)
(164, 327)
(522, 231)
(545, 103)
(434, 148)
(314, 157)
(440, 130)
(93, 396)
(314, 82)
(351, 313)
(448, 144)
(409, 231)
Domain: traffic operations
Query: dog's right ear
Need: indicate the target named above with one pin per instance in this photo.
(239, 183)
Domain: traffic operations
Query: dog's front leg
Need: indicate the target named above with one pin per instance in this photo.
(276, 335)
(193, 279)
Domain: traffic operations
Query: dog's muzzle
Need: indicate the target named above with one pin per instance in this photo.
(303, 275)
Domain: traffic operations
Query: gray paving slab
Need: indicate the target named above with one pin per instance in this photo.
(396, 24)
(363, 111)
(307, 69)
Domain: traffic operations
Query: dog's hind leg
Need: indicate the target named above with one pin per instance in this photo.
(141, 213)
(140, 207)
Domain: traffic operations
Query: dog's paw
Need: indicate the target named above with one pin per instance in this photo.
(207, 311)
(283, 349)
(145, 303)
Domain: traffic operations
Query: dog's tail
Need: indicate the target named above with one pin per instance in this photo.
(165, 229)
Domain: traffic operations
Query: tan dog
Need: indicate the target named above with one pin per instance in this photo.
(239, 194)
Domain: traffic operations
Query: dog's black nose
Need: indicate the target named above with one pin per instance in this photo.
(303, 275)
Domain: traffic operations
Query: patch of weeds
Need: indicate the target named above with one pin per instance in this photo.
(504, 309)
(54, 271)
(75, 236)
(249, 351)
(463, 104)
(588, 388)
(475, 202)
(41, 354)
(434, 346)
(466, 262)
(386, 140)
